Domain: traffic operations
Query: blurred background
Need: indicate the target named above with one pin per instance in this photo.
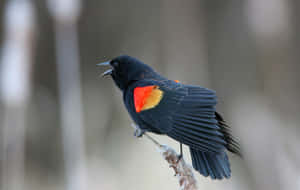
(64, 127)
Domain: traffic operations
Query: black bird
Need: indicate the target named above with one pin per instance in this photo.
(186, 113)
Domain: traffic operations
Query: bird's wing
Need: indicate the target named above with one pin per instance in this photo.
(184, 112)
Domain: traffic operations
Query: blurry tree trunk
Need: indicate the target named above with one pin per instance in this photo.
(182, 41)
(295, 69)
(15, 89)
(272, 29)
(271, 26)
(66, 13)
(253, 115)
(230, 50)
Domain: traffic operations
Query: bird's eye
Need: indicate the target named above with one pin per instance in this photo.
(115, 64)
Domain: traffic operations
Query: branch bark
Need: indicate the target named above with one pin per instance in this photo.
(183, 171)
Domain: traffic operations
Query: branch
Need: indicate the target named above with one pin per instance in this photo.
(183, 171)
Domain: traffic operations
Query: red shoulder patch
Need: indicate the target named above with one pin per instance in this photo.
(140, 96)
(146, 97)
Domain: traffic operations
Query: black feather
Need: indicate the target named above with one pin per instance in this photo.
(232, 144)
(208, 164)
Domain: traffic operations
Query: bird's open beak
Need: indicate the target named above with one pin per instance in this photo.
(109, 71)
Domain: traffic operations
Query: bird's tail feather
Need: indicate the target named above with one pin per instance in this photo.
(210, 164)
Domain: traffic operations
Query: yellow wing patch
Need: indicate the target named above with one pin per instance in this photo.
(154, 98)
(147, 97)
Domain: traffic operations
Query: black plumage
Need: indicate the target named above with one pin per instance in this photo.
(185, 113)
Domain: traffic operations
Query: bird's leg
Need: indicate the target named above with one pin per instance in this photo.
(138, 132)
(181, 153)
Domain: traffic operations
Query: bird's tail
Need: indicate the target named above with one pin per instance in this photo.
(209, 164)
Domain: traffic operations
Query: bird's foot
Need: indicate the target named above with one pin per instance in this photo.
(181, 154)
(179, 158)
(138, 132)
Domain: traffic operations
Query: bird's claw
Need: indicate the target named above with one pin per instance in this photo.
(179, 158)
(138, 132)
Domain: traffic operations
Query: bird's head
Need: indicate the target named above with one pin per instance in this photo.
(127, 70)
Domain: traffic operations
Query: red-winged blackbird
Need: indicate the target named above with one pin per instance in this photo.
(185, 113)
